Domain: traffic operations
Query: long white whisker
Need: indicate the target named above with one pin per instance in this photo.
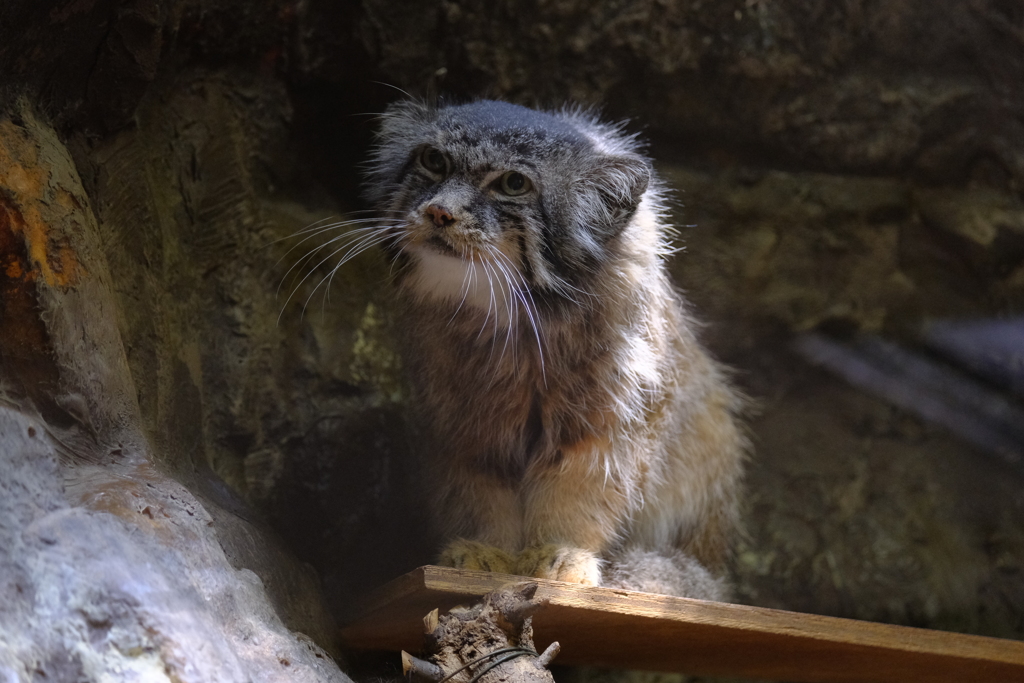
(368, 224)
(318, 227)
(513, 308)
(311, 254)
(313, 270)
(513, 278)
(303, 280)
(312, 226)
(466, 283)
(399, 236)
(509, 303)
(376, 225)
(305, 239)
(324, 223)
(352, 251)
(358, 247)
(522, 291)
(363, 245)
(490, 302)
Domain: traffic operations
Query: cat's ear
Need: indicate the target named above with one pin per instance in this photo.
(616, 184)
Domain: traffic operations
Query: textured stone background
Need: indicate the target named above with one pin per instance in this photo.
(854, 166)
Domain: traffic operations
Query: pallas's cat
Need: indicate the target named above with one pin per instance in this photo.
(575, 427)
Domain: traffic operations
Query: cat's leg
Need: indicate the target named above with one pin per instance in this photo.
(574, 512)
(480, 514)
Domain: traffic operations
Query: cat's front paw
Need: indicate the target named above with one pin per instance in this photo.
(561, 563)
(463, 554)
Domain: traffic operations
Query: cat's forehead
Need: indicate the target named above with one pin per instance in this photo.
(500, 124)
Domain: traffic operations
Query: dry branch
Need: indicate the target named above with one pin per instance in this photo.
(467, 644)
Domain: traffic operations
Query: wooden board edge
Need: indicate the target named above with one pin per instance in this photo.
(450, 586)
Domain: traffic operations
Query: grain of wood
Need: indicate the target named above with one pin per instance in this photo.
(625, 629)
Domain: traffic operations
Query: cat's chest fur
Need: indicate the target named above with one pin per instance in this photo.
(503, 403)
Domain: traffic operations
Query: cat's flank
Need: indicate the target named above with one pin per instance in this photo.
(576, 429)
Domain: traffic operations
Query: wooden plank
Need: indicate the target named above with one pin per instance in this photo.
(626, 629)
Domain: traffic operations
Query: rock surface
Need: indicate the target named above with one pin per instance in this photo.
(115, 572)
(111, 570)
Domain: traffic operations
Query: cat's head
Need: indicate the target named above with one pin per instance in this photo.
(490, 191)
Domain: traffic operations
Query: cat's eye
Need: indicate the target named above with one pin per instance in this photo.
(514, 184)
(434, 161)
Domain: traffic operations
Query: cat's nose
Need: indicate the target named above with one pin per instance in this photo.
(440, 215)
